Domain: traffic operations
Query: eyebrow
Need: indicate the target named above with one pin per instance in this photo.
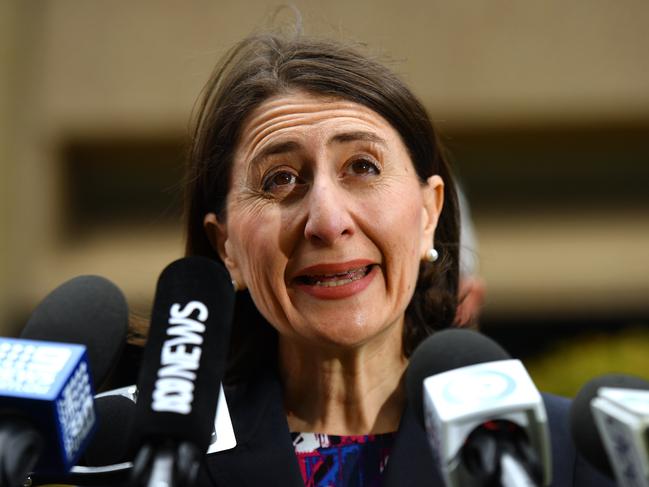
(293, 146)
(358, 135)
(274, 149)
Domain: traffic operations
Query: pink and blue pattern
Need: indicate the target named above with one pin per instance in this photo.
(342, 461)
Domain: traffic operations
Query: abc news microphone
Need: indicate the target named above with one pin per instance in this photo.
(47, 414)
(609, 422)
(485, 420)
(182, 368)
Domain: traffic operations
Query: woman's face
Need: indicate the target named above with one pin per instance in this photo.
(327, 220)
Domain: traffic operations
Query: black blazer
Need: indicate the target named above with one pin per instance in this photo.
(264, 454)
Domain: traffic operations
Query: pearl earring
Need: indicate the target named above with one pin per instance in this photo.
(235, 285)
(432, 255)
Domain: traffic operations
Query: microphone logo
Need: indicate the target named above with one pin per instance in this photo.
(482, 386)
(76, 409)
(179, 359)
(29, 367)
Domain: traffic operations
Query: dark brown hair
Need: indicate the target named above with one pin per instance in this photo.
(263, 66)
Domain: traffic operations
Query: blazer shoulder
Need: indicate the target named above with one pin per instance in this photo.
(569, 469)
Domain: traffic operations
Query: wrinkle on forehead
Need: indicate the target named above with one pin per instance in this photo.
(303, 111)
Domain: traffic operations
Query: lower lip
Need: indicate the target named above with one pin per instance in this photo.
(339, 292)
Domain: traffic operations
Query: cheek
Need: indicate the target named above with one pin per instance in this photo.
(261, 259)
(404, 229)
(252, 244)
(413, 245)
(402, 235)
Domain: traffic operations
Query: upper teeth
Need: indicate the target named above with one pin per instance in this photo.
(329, 280)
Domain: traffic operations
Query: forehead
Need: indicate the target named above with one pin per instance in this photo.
(307, 115)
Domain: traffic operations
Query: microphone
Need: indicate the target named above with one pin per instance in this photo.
(609, 423)
(88, 310)
(107, 459)
(182, 367)
(485, 419)
(46, 405)
(111, 443)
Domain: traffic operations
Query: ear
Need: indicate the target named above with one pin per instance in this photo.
(433, 196)
(217, 234)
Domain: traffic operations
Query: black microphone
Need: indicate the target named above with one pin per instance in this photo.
(107, 459)
(47, 413)
(485, 419)
(609, 423)
(182, 367)
(88, 310)
(112, 442)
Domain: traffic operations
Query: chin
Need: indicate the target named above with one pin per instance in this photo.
(354, 337)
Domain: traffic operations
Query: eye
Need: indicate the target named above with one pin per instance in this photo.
(364, 167)
(279, 180)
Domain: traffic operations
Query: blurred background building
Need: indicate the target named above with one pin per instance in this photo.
(543, 105)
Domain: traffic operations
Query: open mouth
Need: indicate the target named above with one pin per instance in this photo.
(338, 279)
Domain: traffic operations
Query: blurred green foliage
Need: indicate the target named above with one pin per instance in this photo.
(569, 364)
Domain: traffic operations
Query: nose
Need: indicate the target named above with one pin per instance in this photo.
(329, 218)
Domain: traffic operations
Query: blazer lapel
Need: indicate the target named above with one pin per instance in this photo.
(411, 462)
(264, 454)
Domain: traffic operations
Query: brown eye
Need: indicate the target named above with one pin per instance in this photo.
(279, 180)
(364, 167)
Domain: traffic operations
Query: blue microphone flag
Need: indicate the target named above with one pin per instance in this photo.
(49, 384)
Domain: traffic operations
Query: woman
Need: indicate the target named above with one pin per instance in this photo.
(316, 177)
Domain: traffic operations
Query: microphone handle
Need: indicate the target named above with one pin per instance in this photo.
(169, 464)
(495, 455)
(162, 468)
(20, 448)
(512, 473)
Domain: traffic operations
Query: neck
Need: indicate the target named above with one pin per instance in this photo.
(343, 392)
